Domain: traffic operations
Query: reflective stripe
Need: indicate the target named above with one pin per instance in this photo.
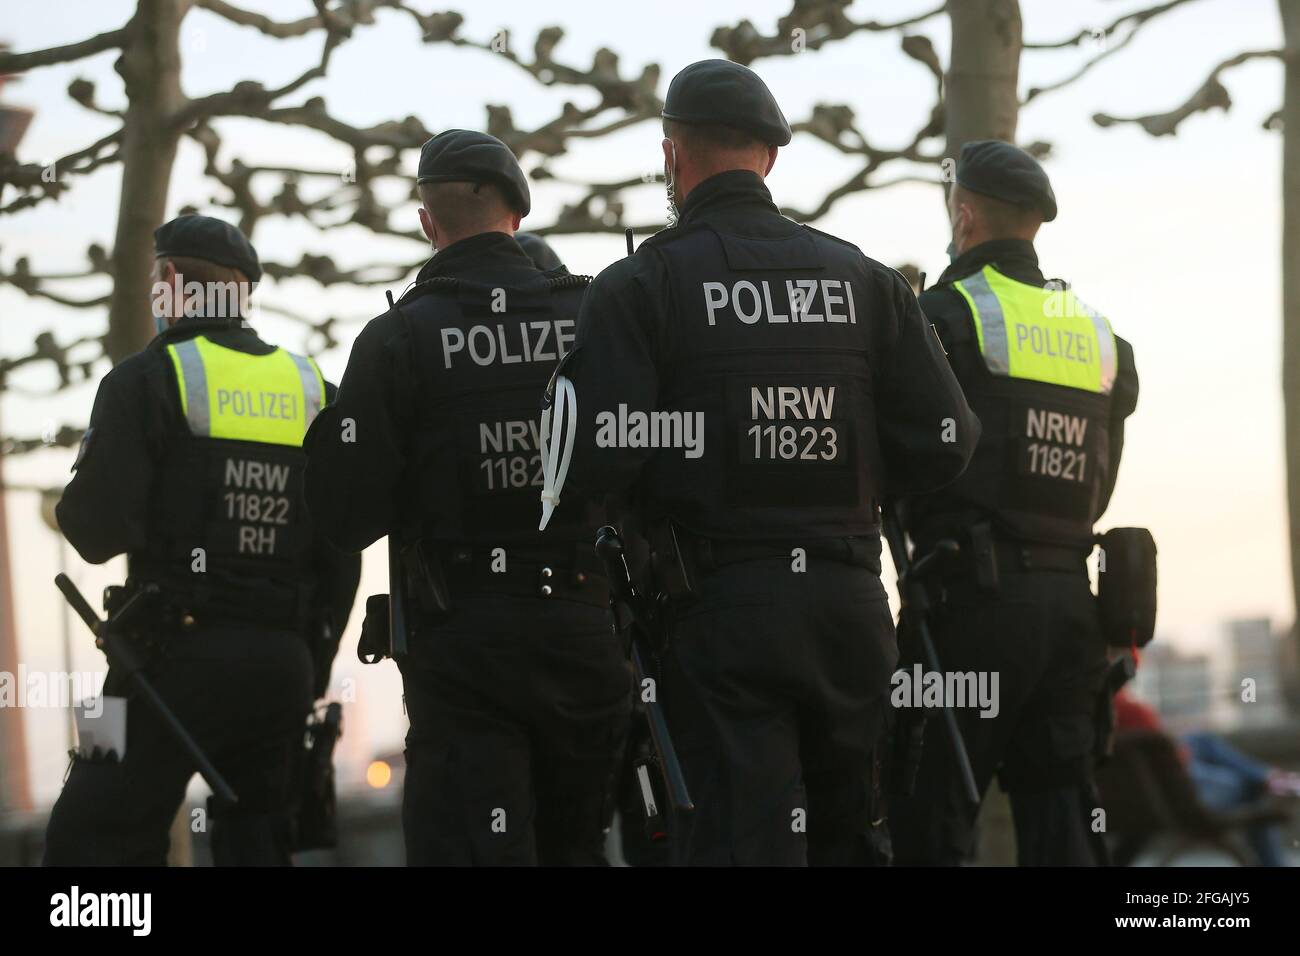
(311, 385)
(990, 323)
(1105, 344)
(193, 378)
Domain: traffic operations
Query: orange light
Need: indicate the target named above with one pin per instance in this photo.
(379, 774)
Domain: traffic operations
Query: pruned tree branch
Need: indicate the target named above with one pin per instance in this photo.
(41, 182)
(323, 270)
(809, 25)
(1133, 21)
(20, 62)
(67, 436)
(82, 92)
(1210, 95)
(351, 13)
(250, 98)
(24, 280)
(47, 350)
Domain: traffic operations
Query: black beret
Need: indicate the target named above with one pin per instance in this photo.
(994, 168)
(539, 250)
(719, 92)
(202, 237)
(466, 156)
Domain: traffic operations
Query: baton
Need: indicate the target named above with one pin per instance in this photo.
(121, 652)
(609, 548)
(912, 598)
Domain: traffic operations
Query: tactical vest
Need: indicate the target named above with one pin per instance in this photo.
(230, 537)
(482, 356)
(1042, 393)
(766, 416)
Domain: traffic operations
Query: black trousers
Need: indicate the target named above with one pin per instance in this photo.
(244, 696)
(775, 687)
(518, 708)
(1040, 633)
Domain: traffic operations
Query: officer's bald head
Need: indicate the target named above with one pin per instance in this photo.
(693, 152)
(978, 218)
(452, 211)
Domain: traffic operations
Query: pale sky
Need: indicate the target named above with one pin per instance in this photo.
(1176, 240)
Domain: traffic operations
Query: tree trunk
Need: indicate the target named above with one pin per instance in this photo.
(15, 792)
(981, 100)
(150, 67)
(1290, 10)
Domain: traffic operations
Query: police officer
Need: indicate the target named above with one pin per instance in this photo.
(192, 467)
(517, 692)
(1052, 385)
(752, 387)
(540, 251)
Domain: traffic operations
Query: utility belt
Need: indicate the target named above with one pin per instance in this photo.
(1022, 556)
(189, 605)
(1126, 565)
(427, 578)
(985, 556)
(454, 569)
(678, 557)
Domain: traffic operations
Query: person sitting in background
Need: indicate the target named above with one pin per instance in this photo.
(1225, 778)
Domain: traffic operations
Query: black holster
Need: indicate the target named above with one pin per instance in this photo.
(426, 580)
(985, 557)
(372, 646)
(422, 595)
(1126, 586)
(315, 820)
(674, 562)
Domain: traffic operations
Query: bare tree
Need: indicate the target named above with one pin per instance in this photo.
(976, 95)
(982, 96)
(1289, 119)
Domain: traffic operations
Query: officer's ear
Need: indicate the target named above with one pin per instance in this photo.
(771, 159)
(162, 290)
(426, 224)
(515, 220)
(966, 216)
(171, 277)
(166, 271)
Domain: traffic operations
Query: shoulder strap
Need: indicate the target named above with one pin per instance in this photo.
(570, 281)
(427, 287)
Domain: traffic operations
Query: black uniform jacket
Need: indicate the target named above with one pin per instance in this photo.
(105, 508)
(945, 307)
(631, 325)
(356, 490)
